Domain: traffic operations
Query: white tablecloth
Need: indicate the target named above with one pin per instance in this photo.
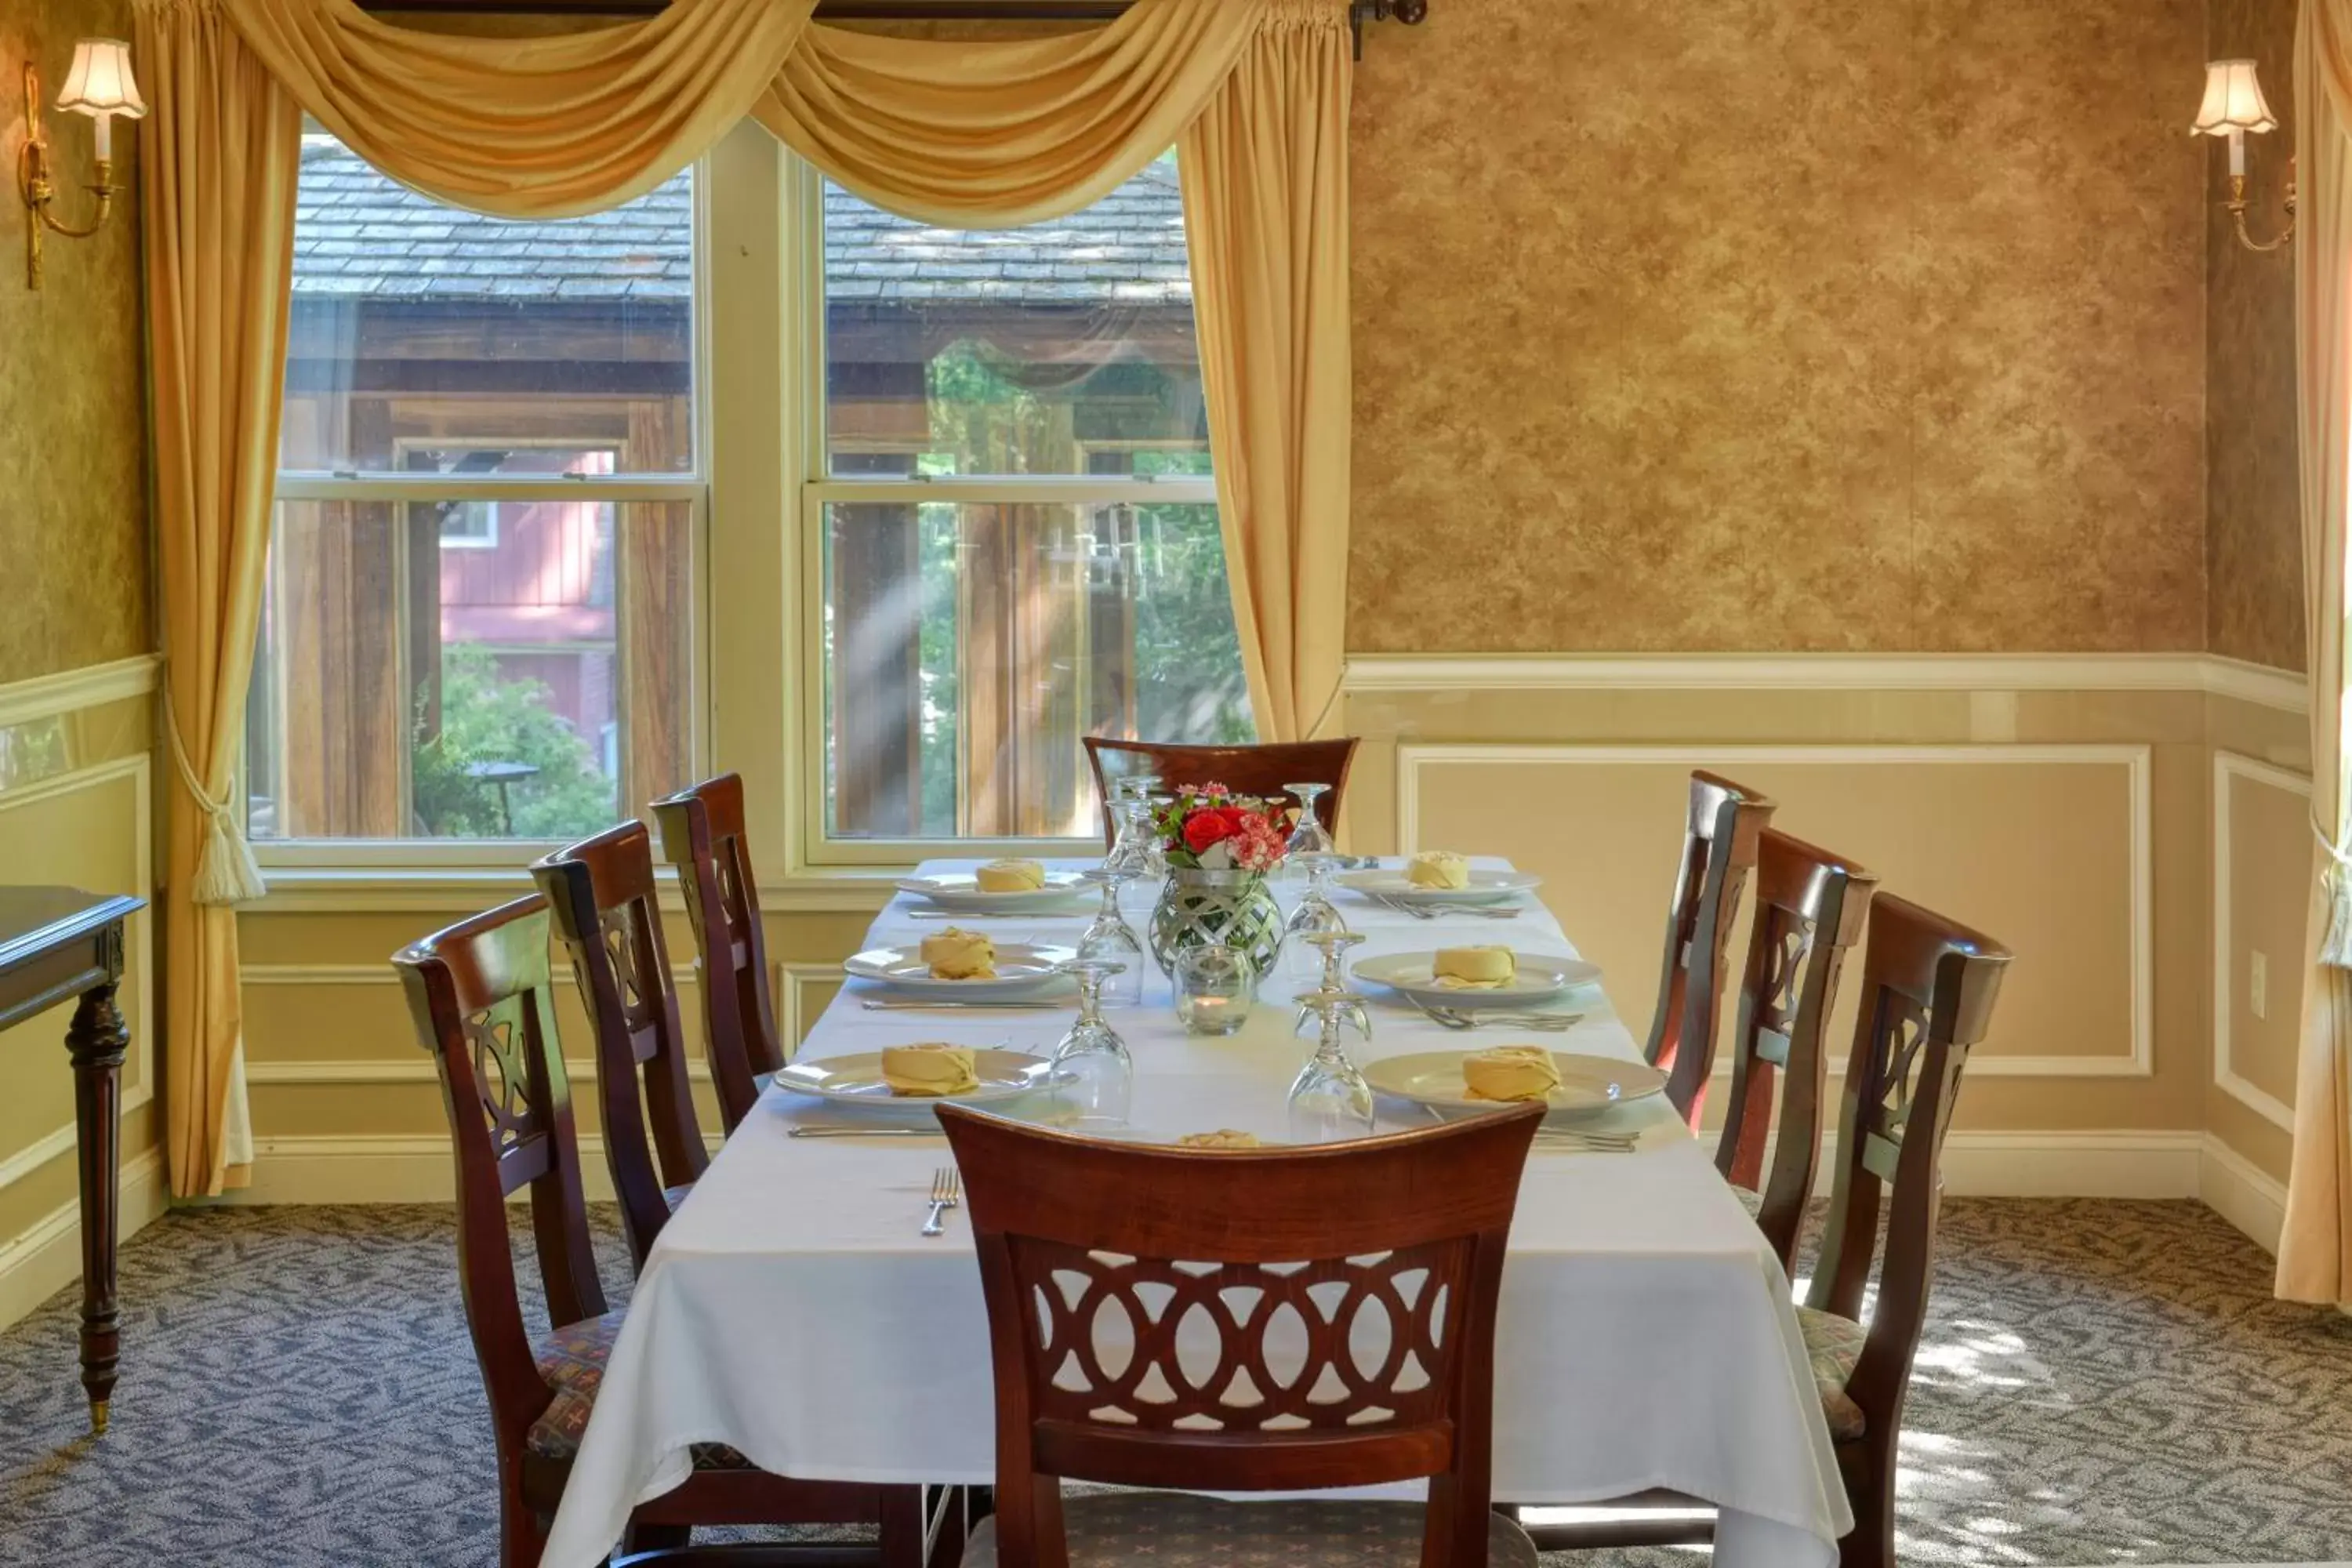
(791, 1311)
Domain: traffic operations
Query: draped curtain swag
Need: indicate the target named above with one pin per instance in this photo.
(2316, 1242)
(980, 135)
(218, 151)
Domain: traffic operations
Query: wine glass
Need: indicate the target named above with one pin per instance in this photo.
(1112, 941)
(1330, 1099)
(1094, 1077)
(1308, 835)
(1333, 946)
(1130, 817)
(1315, 913)
(1215, 987)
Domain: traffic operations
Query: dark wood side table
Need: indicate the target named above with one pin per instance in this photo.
(55, 944)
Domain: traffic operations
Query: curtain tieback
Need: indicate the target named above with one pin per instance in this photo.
(2335, 947)
(226, 871)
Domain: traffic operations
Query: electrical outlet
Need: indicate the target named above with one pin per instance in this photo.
(2258, 985)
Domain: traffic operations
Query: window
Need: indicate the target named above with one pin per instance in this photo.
(1016, 515)
(480, 610)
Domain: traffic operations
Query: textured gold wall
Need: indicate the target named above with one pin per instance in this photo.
(2253, 543)
(73, 423)
(1780, 324)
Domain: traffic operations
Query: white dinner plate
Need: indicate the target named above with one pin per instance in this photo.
(1541, 976)
(1021, 968)
(961, 893)
(1485, 886)
(857, 1080)
(1586, 1082)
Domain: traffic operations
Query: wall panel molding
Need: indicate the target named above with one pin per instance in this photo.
(2228, 768)
(138, 1067)
(1413, 758)
(1830, 672)
(42, 1260)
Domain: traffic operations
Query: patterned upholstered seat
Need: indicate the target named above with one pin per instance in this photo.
(1834, 1344)
(673, 1196)
(573, 1359)
(1176, 1529)
(1750, 1201)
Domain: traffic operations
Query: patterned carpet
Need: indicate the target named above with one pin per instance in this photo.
(2100, 1383)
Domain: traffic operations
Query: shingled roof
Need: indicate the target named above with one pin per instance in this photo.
(358, 232)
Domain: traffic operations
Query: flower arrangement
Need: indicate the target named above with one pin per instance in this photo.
(1208, 828)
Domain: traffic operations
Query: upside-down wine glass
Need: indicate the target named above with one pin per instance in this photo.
(1315, 913)
(1330, 1099)
(1094, 1077)
(1127, 849)
(1333, 946)
(1112, 941)
(1308, 835)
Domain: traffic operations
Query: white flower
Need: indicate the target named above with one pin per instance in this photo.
(1218, 856)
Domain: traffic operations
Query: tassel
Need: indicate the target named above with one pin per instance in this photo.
(225, 870)
(2336, 948)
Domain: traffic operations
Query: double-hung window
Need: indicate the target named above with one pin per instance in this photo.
(1013, 517)
(481, 602)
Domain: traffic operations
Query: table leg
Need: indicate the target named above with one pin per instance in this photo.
(97, 1039)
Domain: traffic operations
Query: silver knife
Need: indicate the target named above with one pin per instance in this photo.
(866, 1132)
(880, 1006)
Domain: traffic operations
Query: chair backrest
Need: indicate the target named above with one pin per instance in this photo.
(1928, 988)
(482, 997)
(702, 835)
(601, 892)
(1248, 770)
(1811, 907)
(1246, 1283)
(1719, 843)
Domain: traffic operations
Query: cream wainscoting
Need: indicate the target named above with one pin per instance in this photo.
(76, 807)
(2071, 804)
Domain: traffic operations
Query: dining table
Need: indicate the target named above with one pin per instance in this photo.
(792, 1310)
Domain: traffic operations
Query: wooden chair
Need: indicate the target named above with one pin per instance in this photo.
(702, 835)
(1811, 907)
(601, 892)
(1071, 1231)
(480, 994)
(1248, 770)
(1718, 850)
(1928, 988)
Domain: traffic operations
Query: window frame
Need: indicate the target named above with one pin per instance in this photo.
(815, 849)
(693, 487)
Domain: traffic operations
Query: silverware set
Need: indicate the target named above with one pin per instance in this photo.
(1484, 1017)
(947, 1186)
(1585, 1141)
(1428, 911)
(866, 1132)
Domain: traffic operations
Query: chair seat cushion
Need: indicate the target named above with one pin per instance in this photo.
(573, 1360)
(1177, 1529)
(1834, 1345)
(676, 1195)
(1752, 1201)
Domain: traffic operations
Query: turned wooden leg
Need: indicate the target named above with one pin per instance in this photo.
(97, 1039)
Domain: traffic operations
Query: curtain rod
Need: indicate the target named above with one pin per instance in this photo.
(1410, 12)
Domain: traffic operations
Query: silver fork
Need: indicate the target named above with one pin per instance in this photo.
(1433, 911)
(1550, 1023)
(947, 1185)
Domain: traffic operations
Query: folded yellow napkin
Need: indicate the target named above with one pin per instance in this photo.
(1223, 1138)
(956, 953)
(1511, 1072)
(1010, 877)
(932, 1067)
(1437, 868)
(1474, 968)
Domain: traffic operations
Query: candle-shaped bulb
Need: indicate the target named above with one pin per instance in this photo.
(2237, 153)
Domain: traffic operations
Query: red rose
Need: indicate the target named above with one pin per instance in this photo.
(1203, 828)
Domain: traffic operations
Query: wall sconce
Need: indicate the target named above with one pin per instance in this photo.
(2234, 106)
(100, 86)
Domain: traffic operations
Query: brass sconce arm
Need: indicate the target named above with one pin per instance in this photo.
(39, 192)
(2237, 208)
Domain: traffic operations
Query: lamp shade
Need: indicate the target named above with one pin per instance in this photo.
(2233, 100)
(100, 83)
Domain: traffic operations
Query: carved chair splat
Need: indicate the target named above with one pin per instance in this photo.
(1719, 845)
(702, 835)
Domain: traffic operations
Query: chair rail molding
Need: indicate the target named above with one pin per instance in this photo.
(1413, 758)
(2228, 768)
(70, 690)
(2212, 673)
